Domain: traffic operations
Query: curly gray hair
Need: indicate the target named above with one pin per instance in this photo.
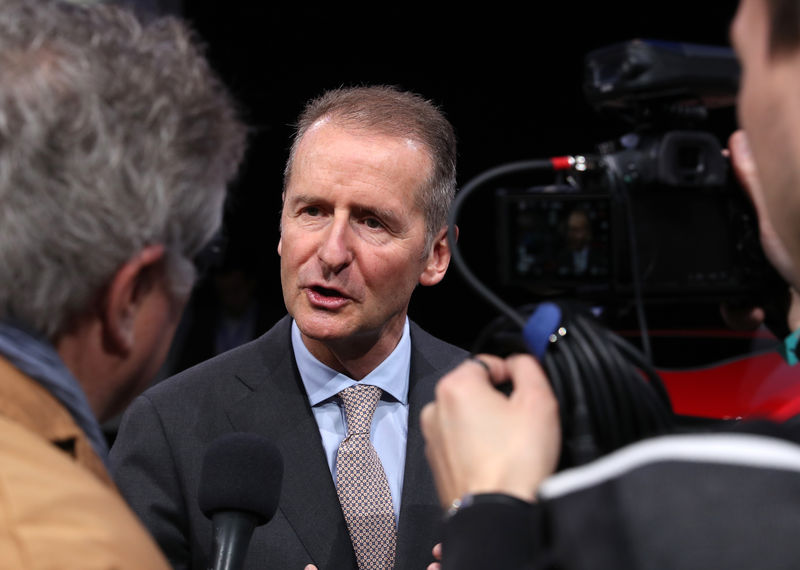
(114, 135)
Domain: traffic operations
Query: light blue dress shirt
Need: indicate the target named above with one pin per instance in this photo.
(390, 422)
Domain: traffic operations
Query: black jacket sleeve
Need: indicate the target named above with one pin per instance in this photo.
(492, 534)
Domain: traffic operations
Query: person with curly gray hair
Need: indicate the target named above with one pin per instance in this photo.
(117, 142)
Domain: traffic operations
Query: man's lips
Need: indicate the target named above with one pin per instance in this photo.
(325, 297)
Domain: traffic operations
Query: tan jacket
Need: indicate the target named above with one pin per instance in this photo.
(59, 509)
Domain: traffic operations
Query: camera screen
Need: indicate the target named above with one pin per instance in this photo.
(557, 239)
(686, 240)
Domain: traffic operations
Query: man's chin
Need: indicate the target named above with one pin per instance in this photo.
(324, 328)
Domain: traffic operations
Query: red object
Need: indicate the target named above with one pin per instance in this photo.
(562, 162)
(747, 383)
(752, 386)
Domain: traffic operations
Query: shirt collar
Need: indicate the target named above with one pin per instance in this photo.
(322, 382)
(37, 358)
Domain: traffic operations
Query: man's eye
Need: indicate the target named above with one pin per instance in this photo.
(311, 211)
(373, 223)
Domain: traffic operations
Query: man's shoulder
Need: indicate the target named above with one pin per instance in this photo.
(422, 338)
(35, 476)
(249, 360)
(726, 499)
(439, 353)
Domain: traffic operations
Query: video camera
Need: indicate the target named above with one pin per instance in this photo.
(653, 215)
(656, 212)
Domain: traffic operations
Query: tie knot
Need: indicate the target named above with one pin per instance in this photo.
(359, 405)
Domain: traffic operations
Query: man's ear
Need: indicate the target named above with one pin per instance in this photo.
(124, 296)
(438, 259)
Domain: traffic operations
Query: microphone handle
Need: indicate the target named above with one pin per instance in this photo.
(232, 532)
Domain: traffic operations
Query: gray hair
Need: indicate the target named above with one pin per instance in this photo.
(113, 136)
(390, 111)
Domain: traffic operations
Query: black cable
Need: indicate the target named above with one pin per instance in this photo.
(556, 381)
(589, 376)
(603, 400)
(651, 409)
(619, 189)
(579, 437)
(620, 395)
(609, 393)
(457, 258)
(634, 385)
(643, 363)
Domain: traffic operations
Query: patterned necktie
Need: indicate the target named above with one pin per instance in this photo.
(361, 483)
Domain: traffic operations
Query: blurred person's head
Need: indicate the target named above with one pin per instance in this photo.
(766, 36)
(117, 142)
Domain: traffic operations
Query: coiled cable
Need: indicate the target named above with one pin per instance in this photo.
(609, 393)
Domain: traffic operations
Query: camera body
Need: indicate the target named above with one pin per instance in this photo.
(656, 212)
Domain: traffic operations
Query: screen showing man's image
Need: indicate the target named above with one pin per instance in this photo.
(557, 241)
(580, 255)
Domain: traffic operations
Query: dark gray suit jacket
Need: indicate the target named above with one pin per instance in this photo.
(256, 388)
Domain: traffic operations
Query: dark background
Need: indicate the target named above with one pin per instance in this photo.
(509, 79)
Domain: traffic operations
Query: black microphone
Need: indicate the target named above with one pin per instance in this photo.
(240, 482)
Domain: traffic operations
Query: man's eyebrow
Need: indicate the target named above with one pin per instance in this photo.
(304, 198)
(378, 212)
(358, 209)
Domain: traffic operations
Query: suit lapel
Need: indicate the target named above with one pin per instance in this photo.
(420, 515)
(278, 409)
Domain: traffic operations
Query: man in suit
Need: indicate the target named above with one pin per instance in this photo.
(367, 188)
(116, 145)
(580, 258)
(578, 240)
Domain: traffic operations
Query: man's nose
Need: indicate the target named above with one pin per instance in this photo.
(336, 252)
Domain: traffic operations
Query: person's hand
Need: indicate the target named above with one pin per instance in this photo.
(479, 440)
(437, 556)
(786, 318)
(742, 318)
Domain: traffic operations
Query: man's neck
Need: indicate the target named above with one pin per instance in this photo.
(355, 357)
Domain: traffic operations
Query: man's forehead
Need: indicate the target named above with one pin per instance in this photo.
(357, 200)
(332, 124)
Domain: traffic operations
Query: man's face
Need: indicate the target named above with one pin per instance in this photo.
(769, 112)
(578, 233)
(353, 238)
